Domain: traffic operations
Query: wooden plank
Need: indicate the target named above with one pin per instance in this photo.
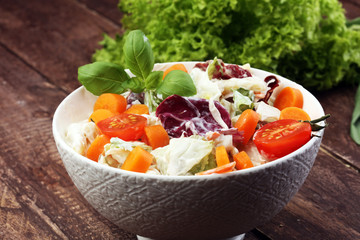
(339, 102)
(352, 8)
(326, 207)
(255, 235)
(31, 172)
(55, 37)
(16, 220)
(107, 8)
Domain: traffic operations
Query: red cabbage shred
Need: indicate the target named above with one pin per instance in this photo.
(189, 116)
(225, 72)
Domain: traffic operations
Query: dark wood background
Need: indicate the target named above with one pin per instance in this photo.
(41, 45)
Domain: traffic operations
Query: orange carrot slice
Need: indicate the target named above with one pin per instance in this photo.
(242, 160)
(178, 66)
(138, 109)
(138, 160)
(222, 169)
(213, 136)
(289, 97)
(156, 136)
(100, 114)
(221, 155)
(247, 123)
(115, 103)
(294, 113)
(97, 147)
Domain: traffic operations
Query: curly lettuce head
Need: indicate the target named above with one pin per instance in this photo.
(305, 40)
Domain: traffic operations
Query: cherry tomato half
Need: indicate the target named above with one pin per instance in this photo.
(279, 138)
(128, 127)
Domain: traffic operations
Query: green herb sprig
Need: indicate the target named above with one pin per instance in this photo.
(105, 77)
(314, 125)
(355, 121)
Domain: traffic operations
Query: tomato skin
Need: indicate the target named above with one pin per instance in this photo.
(128, 127)
(279, 138)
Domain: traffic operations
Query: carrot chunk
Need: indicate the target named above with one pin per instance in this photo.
(247, 123)
(115, 103)
(138, 109)
(138, 160)
(221, 156)
(289, 97)
(242, 160)
(97, 147)
(222, 169)
(294, 113)
(178, 66)
(100, 114)
(156, 136)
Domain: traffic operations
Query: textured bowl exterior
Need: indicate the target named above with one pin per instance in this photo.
(192, 207)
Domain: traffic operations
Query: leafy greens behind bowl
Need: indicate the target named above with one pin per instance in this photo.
(305, 40)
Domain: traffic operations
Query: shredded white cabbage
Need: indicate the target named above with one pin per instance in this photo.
(116, 152)
(216, 114)
(80, 135)
(267, 113)
(250, 83)
(151, 119)
(254, 155)
(181, 155)
(205, 88)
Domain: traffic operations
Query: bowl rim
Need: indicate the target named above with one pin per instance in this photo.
(78, 157)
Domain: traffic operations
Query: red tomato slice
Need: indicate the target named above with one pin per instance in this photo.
(128, 127)
(279, 138)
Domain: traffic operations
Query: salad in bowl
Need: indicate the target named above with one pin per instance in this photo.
(183, 119)
(186, 150)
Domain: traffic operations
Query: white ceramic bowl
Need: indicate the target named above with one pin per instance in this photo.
(185, 207)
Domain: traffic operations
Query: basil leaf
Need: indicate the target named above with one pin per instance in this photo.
(177, 82)
(138, 54)
(103, 77)
(153, 80)
(135, 84)
(355, 121)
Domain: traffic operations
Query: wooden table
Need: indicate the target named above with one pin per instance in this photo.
(41, 45)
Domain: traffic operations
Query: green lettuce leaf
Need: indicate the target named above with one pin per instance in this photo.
(243, 99)
(206, 163)
(305, 40)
